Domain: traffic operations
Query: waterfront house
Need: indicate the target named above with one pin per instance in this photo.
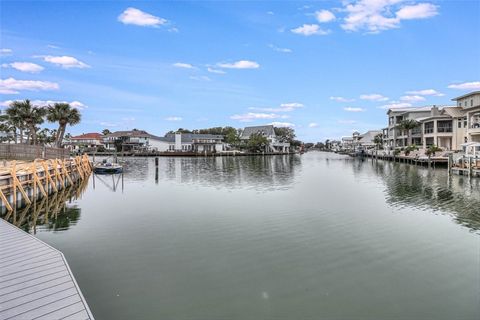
(367, 139)
(444, 128)
(268, 131)
(399, 138)
(189, 142)
(133, 140)
(142, 141)
(84, 141)
(470, 103)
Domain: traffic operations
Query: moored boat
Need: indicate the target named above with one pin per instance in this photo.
(107, 168)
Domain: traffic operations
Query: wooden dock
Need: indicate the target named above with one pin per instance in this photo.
(22, 182)
(35, 280)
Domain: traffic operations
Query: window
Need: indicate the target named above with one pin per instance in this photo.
(428, 127)
(465, 122)
(471, 103)
(444, 126)
(459, 123)
(429, 142)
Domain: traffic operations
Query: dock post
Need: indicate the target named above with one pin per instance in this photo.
(470, 166)
(450, 164)
(156, 161)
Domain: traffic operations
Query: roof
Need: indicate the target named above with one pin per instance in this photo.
(466, 95)
(91, 135)
(189, 137)
(455, 112)
(267, 130)
(131, 133)
(369, 136)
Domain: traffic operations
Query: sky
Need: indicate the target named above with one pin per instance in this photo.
(324, 68)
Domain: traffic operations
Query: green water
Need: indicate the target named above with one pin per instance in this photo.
(317, 236)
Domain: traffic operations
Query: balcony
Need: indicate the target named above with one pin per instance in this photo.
(447, 129)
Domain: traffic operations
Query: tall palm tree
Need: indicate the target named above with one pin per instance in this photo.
(14, 117)
(65, 115)
(30, 115)
(408, 125)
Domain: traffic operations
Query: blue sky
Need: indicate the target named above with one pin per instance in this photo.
(325, 67)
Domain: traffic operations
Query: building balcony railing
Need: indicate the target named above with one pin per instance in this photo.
(428, 130)
(444, 129)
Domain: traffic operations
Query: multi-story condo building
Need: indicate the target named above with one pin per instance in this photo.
(470, 103)
(444, 128)
(395, 137)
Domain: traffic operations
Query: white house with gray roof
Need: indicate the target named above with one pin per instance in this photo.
(268, 131)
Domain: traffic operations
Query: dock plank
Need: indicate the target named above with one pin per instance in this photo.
(35, 280)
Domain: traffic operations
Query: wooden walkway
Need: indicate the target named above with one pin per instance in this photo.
(35, 280)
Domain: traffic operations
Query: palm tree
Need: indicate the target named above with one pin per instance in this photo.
(31, 116)
(64, 114)
(13, 115)
(105, 132)
(408, 125)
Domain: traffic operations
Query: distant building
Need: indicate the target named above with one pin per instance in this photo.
(86, 141)
(268, 131)
(367, 140)
(140, 140)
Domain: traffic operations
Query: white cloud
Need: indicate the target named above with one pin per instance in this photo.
(475, 85)
(108, 124)
(324, 16)
(65, 62)
(217, 71)
(374, 16)
(417, 11)
(200, 78)
(284, 107)
(412, 98)
(270, 13)
(24, 66)
(52, 46)
(310, 30)
(347, 121)
(354, 109)
(46, 103)
(13, 86)
(426, 92)
(241, 64)
(183, 65)
(396, 105)
(5, 51)
(278, 49)
(341, 99)
(139, 18)
(251, 116)
(282, 124)
(373, 97)
(174, 118)
(313, 125)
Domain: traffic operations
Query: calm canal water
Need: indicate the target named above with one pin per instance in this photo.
(317, 236)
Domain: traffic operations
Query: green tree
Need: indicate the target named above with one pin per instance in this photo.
(408, 125)
(30, 115)
(378, 140)
(105, 132)
(65, 115)
(257, 142)
(15, 118)
(285, 134)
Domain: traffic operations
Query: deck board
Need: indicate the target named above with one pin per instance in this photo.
(35, 280)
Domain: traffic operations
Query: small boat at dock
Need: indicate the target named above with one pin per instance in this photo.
(107, 168)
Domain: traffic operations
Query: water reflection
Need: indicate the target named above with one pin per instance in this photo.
(262, 173)
(57, 212)
(408, 186)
